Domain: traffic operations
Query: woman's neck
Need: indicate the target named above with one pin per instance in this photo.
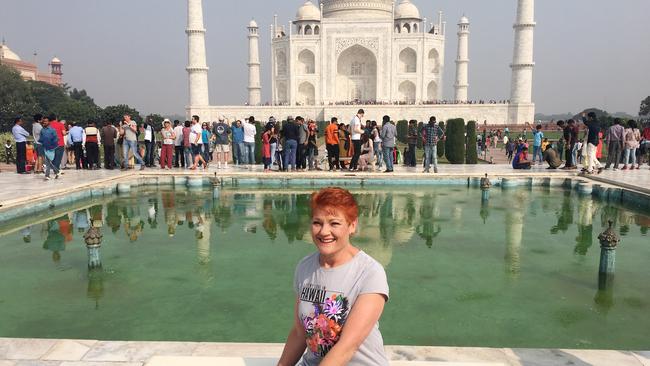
(339, 258)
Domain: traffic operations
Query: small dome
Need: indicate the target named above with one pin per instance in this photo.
(8, 54)
(308, 11)
(55, 60)
(252, 24)
(463, 20)
(406, 10)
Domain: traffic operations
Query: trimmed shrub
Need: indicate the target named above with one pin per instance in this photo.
(441, 143)
(258, 141)
(455, 145)
(402, 131)
(470, 143)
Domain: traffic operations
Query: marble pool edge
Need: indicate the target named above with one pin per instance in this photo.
(608, 191)
(67, 352)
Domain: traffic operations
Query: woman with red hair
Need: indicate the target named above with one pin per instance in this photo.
(340, 292)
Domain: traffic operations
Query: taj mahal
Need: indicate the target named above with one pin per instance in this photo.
(380, 55)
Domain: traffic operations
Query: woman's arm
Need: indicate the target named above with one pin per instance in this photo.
(364, 315)
(296, 342)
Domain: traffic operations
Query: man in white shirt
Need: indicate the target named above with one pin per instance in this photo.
(249, 140)
(196, 139)
(179, 158)
(355, 131)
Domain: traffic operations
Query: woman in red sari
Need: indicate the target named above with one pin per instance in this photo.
(599, 149)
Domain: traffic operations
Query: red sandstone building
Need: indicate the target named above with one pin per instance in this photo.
(29, 71)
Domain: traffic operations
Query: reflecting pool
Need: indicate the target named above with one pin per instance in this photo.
(518, 271)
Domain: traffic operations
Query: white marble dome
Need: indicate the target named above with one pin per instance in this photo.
(8, 54)
(252, 24)
(406, 10)
(358, 9)
(308, 12)
(463, 20)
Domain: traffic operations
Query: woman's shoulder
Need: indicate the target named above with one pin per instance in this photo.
(308, 261)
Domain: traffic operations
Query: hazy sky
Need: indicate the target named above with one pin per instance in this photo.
(588, 52)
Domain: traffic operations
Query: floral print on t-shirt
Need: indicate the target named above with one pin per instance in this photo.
(323, 326)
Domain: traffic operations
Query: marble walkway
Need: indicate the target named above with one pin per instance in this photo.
(45, 352)
(21, 189)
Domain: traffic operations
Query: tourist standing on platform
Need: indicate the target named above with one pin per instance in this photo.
(249, 140)
(301, 152)
(49, 141)
(591, 163)
(77, 137)
(388, 136)
(344, 144)
(187, 145)
(538, 136)
(632, 139)
(274, 139)
(560, 148)
(129, 130)
(375, 135)
(340, 292)
(266, 148)
(221, 130)
(238, 143)
(355, 132)
(645, 144)
(149, 142)
(412, 139)
(179, 156)
(290, 134)
(93, 139)
(614, 139)
(567, 134)
(196, 139)
(332, 144)
(206, 137)
(60, 134)
(20, 137)
(169, 138)
(312, 145)
(279, 147)
(109, 135)
(431, 134)
(36, 133)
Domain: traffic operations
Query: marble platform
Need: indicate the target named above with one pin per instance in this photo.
(50, 352)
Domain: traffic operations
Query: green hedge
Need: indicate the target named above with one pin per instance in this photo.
(455, 144)
(470, 143)
(402, 131)
(441, 143)
(258, 141)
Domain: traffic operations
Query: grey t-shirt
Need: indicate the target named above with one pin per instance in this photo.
(36, 132)
(326, 298)
(129, 134)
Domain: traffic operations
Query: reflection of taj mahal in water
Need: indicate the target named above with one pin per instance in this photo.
(379, 54)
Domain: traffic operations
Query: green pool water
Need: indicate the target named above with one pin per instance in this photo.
(520, 271)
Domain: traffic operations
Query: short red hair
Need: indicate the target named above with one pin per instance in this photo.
(334, 199)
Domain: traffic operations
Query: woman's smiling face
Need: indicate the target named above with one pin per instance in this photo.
(330, 231)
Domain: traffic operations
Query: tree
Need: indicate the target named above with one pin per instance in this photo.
(645, 107)
(455, 144)
(15, 98)
(402, 131)
(115, 113)
(441, 143)
(470, 143)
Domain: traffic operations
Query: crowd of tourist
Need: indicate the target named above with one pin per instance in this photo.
(626, 145)
(297, 145)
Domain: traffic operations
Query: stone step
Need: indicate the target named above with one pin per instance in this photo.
(254, 361)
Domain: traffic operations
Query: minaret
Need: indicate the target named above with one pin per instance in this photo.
(462, 61)
(522, 64)
(197, 68)
(254, 86)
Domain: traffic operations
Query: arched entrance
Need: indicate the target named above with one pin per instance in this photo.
(356, 75)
